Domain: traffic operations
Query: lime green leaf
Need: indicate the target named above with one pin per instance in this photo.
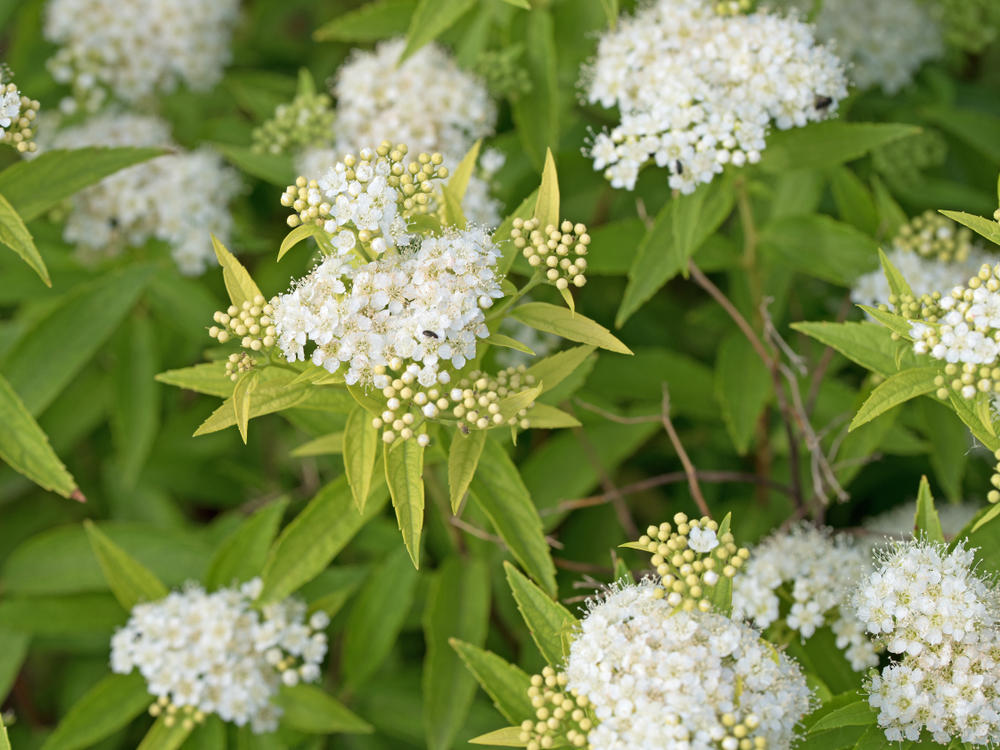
(826, 144)
(506, 737)
(454, 216)
(560, 321)
(271, 394)
(375, 20)
(819, 246)
(25, 447)
(208, 735)
(360, 446)
(926, 520)
(545, 417)
(970, 411)
(209, 378)
(377, 617)
(499, 490)
(276, 169)
(722, 592)
(35, 186)
(163, 737)
(458, 606)
(555, 368)
(505, 683)
(536, 113)
(894, 390)
(498, 339)
(463, 458)
(309, 709)
(519, 4)
(502, 235)
(511, 405)
(547, 203)
(242, 554)
(296, 236)
(988, 229)
(240, 286)
(742, 388)
(313, 539)
(458, 183)
(404, 469)
(104, 709)
(324, 445)
(242, 394)
(892, 321)
(333, 588)
(897, 284)
(371, 401)
(431, 19)
(4, 739)
(130, 581)
(16, 236)
(550, 623)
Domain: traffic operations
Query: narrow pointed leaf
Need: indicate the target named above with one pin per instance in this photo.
(894, 390)
(15, 235)
(897, 284)
(380, 19)
(242, 394)
(163, 737)
(926, 521)
(129, 580)
(562, 322)
(431, 19)
(324, 445)
(458, 183)
(239, 284)
(242, 554)
(404, 469)
(547, 204)
(506, 737)
(311, 710)
(545, 417)
(296, 236)
(555, 368)
(550, 623)
(498, 339)
(104, 709)
(505, 683)
(360, 446)
(463, 458)
(988, 229)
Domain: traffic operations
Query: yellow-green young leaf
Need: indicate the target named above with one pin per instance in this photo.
(209, 378)
(519, 4)
(988, 229)
(555, 368)
(505, 683)
(611, 11)
(463, 458)
(129, 580)
(458, 606)
(511, 405)
(271, 394)
(431, 19)
(826, 144)
(567, 296)
(276, 169)
(550, 623)
(547, 204)
(498, 339)
(296, 236)
(311, 710)
(500, 492)
(894, 390)
(307, 545)
(25, 447)
(324, 445)
(560, 321)
(370, 400)
(868, 344)
(4, 739)
(926, 520)
(892, 321)
(506, 737)
(454, 216)
(377, 617)
(545, 417)
(163, 737)
(16, 236)
(104, 709)
(458, 183)
(987, 515)
(404, 474)
(972, 413)
(360, 447)
(897, 284)
(722, 592)
(242, 554)
(242, 394)
(502, 235)
(372, 21)
(240, 286)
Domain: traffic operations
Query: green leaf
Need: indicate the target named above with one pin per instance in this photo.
(76, 327)
(377, 617)
(742, 388)
(988, 229)
(4, 739)
(505, 683)
(35, 186)
(404, 469)
(360, 447)
(272, 393)
(296, 236)
(555, 368)
(856, 713)
(453, 214)
(209, 378)
(547, 203)
(463, 458)
(519, 4)
(854, 203)
(611, 11)
(970, 413)
(897, 284)
(550, 623)
(892, 321)
(500, 492)
(313, 539)
(819, 246)
(458, 606)
(130, 581)
(243, 553)
(722, 592)
(511, 405)
(25, 447)
(431, 19)
(560, 321)
(458, 183)
(373, 21)
(16, 236)
(324, 445)
(162, 737)
(276, 169)
(926, 520)
(13, 650)
(890, 216)
(545, 417)
(536, 113)
(498, 339)
(501, 237)
(894, 390)
(242, 393)
(506, 737)
(311, 710)
(135, 410)
(827, 144)
(977, 129)
(239, 284)
(104, 709)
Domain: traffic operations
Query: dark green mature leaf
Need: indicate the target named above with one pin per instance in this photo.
(894, 390)
(827, 144)
(890, 216)
(76, 327)
(35, 186)
(276, 169)
(107, 707)
(854, 202)
(62, 615)
(983, 534)
(948, 438)
(16, 236)
(978, 129)
(377, 617)
(550, 623)
(404, 469)
(310, 709)
(13, 650)
(505, 683)
(130, 581)
(856, 713)
(926, 521)
(373, 21)
(431, 19)
(458, 606)
(25, 447)
(498, 489)
(819, 246)
(573, 326)
(742, 388)
(360, 449)
(313, 539)
(536, 113)
(243, 553)
(135, 410)
(463, 458)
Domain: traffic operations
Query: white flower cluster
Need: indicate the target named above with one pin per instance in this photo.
(420, 306)
(883, 42)
(943, 621)
(179, 198)
(137, 49)
(217, 654)
(899, 521)
(822, 569)
(693, 680)
(697, 90)
(924, 275)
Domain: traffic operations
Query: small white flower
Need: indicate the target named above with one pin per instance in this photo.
(702, 540)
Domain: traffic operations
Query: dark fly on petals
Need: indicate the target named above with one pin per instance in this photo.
(431, 335)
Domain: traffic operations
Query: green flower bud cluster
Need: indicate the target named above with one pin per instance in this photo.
(934, 236)
(902, 160)
(994, 495)
(967, 379)
(561, 716)
(173, 714)
(503, 71)
(559, 250)
(926, 307)
(252, 323)
(305, 121)
(237, 364)
(690, 559)
(733, 7)
(21, 115)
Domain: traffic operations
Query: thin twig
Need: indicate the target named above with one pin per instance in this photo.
(692, 476)
(611, 416)
(825, 359)
(582, 567)
(487, 536)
